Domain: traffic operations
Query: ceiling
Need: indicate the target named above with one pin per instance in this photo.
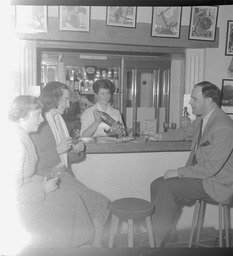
(122, 2)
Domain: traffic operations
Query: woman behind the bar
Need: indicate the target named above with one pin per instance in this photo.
(53, 145)
(51, 216)
(92, 126)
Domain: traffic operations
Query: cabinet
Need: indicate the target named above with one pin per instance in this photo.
(142, 84)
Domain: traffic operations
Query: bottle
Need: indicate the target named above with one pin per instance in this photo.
(107, 119)
(185, 121)
(118, 128)
(97, 76)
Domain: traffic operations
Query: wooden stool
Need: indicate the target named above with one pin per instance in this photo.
(198, 220)
(129, 209)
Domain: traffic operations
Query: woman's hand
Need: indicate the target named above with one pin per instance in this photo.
(97, 116)
(58, 169)
(118, 128)
(64, 146)
(50, 185)
(78, 147)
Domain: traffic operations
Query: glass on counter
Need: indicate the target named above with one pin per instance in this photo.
(169, 126)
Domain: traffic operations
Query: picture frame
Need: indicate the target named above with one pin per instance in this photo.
(227, 96)
(31, 19)
(203, 23)
(74, 18)
(166, 21)
(121, 16)
(229, 38)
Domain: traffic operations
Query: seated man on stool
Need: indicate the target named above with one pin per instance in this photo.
(208, 174)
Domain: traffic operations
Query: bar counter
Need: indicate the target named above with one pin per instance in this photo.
(127, 169)
(137, 147)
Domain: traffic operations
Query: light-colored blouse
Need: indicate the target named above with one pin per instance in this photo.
(29, 187)
(88, 118)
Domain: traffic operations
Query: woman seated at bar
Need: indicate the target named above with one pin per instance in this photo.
(52, 214)
(92, 125)
(54, 145)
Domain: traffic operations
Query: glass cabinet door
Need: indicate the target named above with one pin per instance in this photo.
(145, 98)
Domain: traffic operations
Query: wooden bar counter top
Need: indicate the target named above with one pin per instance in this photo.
(136, 146)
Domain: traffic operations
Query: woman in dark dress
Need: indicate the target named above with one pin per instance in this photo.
(53, 145)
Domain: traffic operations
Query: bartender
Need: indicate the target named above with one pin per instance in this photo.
(92, 126)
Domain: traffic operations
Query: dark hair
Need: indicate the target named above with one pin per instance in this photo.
(105, 84)
(210, 90)
(51, 94)
(22, 105)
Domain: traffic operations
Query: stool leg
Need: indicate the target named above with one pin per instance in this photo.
(113, 230)
(150, 231)
(130, 233)
(195, 214)
(220, 224)
(200, 220)
(227, 224)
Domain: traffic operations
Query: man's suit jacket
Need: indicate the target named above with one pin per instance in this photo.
(214, 154)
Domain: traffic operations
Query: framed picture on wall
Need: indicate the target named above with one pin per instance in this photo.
(121, 16)
(166, 22)
(74, 18)
(31, 19)
(203, 23)
(229, 39)
(227, 96)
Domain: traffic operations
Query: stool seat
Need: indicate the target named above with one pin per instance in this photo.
(131, 208)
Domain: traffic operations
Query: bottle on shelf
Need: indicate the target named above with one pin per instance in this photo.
(97, 75)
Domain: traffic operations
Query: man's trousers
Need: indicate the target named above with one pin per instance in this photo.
(168, 197)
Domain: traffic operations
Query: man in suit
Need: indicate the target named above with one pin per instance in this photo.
(208, 174)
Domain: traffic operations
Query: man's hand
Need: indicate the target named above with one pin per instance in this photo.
(153, 135)
(170, 174)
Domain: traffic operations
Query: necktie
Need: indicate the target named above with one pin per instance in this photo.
(194, 161)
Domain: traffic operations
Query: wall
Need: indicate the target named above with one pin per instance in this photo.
(144, 14)
(125, 38)
(216, 63)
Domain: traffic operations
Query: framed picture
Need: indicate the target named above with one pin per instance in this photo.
(121, 16)
(74, 18)
(166, 22)
(31, 19)
(203, 23)
(229, 39)
(227, 96)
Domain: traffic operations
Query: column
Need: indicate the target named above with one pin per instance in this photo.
(27, 67)
(194, 59)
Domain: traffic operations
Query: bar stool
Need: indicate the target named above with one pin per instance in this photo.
(129, 209)
(198, 220)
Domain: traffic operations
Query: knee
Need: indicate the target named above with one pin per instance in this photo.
(155, 186)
